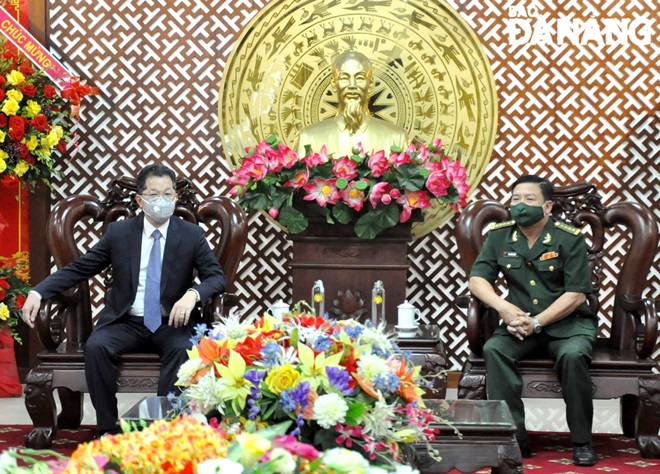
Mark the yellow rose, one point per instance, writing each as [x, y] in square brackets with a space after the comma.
[33, 108]
[43, 152]
[2, 136]
[3, 165]
[282, 378]
[4, 155]
[15, 77]
[254, 447]
[15, 95]
[10, 107]
[4, 312]
[21, 168]
[52, 139]
[59, 131]
[32, 143]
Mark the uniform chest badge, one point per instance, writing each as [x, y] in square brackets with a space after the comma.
[549, 255]
[547, 239]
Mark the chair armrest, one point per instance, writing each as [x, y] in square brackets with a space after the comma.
[219, 306]
[475, 310]
[645, 311]
[52, 317]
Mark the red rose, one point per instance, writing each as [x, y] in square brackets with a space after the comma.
[3, 81]
[49, 92]
[2, 294]
[29, 90]
[8, 55]
[2, 94]
[62, 146]
[26, 69]
[3, 120]
[40, 122]
[17, 122]
[4, 284]
[24, 153]
[19, 301]
[17, 134]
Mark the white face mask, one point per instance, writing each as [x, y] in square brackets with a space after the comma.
[159, 209]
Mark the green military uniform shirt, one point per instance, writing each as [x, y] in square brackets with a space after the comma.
[556, 264]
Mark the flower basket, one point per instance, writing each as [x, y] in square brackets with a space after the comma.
[341, 383]
[369, 192]
[34, 121]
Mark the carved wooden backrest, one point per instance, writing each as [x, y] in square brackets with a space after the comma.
[580, 205]
[71, 318]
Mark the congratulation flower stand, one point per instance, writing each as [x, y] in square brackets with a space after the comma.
[349, 267]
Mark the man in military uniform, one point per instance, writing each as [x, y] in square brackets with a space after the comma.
[545, 314]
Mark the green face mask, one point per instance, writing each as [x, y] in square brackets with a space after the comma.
[526, 215]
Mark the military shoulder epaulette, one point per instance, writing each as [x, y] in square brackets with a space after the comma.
[501, 225]
[567, 228]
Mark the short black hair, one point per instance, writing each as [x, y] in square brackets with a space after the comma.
[547, 189]
[157, 170]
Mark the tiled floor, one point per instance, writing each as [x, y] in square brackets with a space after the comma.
[542, 414]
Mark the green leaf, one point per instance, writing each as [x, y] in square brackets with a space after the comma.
[372, 223]
[293, 220]
[396, 149]
[355, 411]
[342, 213]
[409, 177]
[341, 183]
[361, 185]
[272, 140]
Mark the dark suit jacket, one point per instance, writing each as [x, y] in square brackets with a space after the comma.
[186, 249]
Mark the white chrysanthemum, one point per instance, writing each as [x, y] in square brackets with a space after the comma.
[231, 327]
[207, 393]
[377, 421]
[371, 365]
[344, 461]
[330, 409]
[187, 370]
[377, 337]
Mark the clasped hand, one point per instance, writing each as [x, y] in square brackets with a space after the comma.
[518, 322]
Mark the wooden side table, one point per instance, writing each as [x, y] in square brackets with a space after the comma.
[428, 351]
[474, 434]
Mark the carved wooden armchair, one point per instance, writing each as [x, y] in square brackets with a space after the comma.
[65, 323]
[622, 366]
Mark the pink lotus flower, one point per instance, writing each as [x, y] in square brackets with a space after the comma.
[287, 157]
[272, 212]
[316, 159]
[378, 163]
[345, 168]
[352, 196]
[413, 200]
[324, 191]
[255, 167]
[437, 183]
[300, 179]
[377, 192]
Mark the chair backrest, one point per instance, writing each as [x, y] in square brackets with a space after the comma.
[71, 319]
[580, 206]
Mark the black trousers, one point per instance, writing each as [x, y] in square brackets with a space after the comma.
[129, 334]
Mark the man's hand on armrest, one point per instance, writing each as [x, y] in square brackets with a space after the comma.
[31, 308]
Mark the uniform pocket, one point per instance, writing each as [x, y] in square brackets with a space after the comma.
[551, 265]
[509, 263]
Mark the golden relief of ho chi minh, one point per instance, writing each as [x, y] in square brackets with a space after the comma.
[431, 79]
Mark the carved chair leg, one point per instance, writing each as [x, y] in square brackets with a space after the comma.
[41, 407]
[71, 415]
[471, 386]
[629, 408]
[648, 417]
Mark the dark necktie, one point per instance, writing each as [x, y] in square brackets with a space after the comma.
[152, 316]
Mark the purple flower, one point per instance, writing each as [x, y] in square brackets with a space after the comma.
[270, 354]
[388, 383]
[339, 378]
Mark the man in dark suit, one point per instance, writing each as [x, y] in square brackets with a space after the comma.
[545, 313]
[153, 304]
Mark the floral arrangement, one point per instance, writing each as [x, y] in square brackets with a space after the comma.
[14, 288]
[342, 383]
[375, 191]
[33, 121]
[187, 445]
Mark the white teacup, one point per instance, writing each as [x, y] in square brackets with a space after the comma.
[408, 315]
[279, 309]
